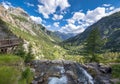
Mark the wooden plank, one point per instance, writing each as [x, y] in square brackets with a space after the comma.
[9, 43]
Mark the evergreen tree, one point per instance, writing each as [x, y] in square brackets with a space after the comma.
[29, 55]
[20, 51]
[93, 44]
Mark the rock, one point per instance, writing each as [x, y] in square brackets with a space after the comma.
[40, 81]
[57, 61]
[35, 66]
[115, 81]
[33, 70]
[105, 69]
[68, 62]
[34, 82]
[35, 77]
[70, 73]
[106, 82]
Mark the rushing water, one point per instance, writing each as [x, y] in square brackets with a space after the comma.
[55, 80]
[61, 80]
[84, 76]
[62, 73]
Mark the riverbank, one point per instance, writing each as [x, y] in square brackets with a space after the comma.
[69, 72]
[64, 72]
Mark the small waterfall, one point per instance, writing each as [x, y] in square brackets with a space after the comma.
[61, 73]
[84, 77]
[61, 80]
[55, 80]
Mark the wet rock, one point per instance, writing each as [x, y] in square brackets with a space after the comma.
[105, 70]
[106, 82]
[34, 82]
[57, 62]
[66, 72]
[115, 81]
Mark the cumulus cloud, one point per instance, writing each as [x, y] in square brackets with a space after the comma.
[49, 6]
[113, 11]
[29, 4]
[48, 26]
[112, 8]
[56, 24]
[76, 17]
[80, 20]
[57, 17]
[71, 28]
[106, 5]
[94, 15]
[83, 20]
[38, 20]
[7, 4]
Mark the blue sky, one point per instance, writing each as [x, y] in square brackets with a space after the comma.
[69, 16]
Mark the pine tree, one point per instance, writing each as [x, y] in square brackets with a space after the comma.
[20, 51]
[93, 44]
[29, 55]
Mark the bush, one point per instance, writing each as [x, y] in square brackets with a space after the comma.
[20, 51]
[27, 75]
[29, 56]
[115, 71]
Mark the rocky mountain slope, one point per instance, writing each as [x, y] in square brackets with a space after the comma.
[109, 28]
[63, 36]
[15, 22]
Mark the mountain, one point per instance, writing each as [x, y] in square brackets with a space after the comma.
[16, 23]
[109, 28]
[63, 36]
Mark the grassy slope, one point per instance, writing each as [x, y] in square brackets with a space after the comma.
[43, 44]
[10, 69]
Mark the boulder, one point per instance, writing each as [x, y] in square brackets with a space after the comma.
[106, 70]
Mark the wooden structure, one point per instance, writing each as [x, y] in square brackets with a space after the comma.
[5, 44]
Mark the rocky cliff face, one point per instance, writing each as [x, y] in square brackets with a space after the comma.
[17, 17]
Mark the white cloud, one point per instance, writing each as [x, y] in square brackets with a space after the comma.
[76, 17]
[29, 4]
[94, 15]
[71, 28]
[48, 26]
[112, 8]
[56, 24]
[83, 20]
[80, 20]
[38, 20]
[106, 5]
[113, 11]
[49, 6]
[57, 17]
[6, 4]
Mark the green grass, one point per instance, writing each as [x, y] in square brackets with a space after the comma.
[40, 42]
[10, 68]
[9, 75]
[13, 70]
[7, 59]
[116, 71]
[19, 18]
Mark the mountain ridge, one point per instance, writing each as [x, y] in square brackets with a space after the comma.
[107, 26]
[19, 23]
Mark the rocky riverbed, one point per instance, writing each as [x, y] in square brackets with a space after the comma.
[68, 72]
